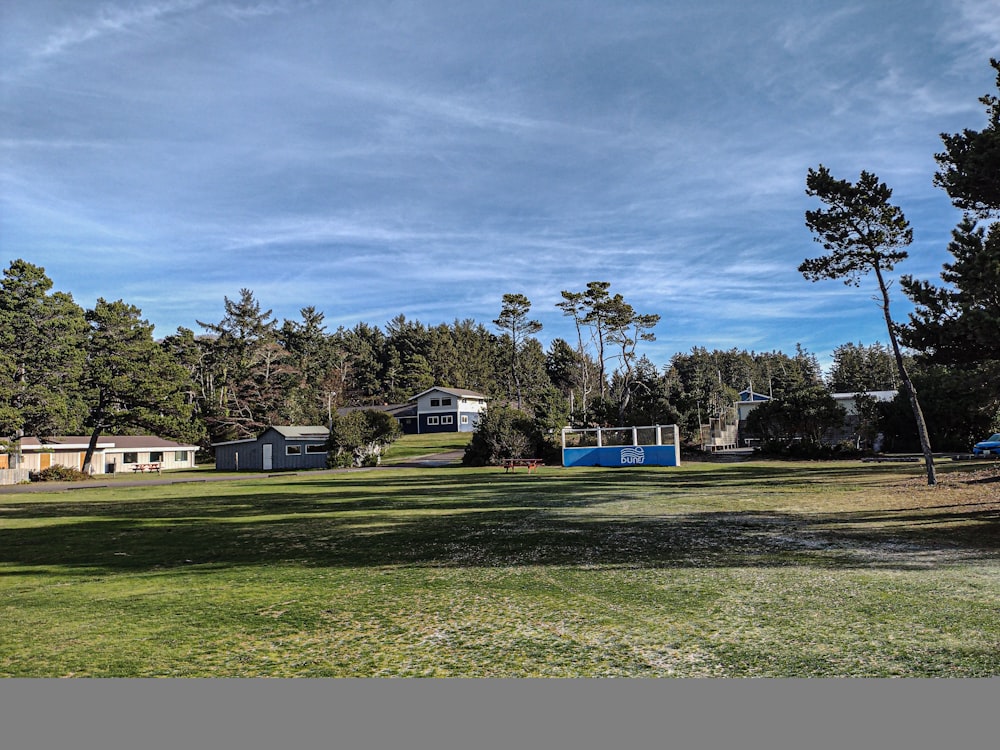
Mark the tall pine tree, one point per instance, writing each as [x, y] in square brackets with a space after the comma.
[131, 381]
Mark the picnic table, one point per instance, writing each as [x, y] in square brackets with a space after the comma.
[146, 467]
[510, 464]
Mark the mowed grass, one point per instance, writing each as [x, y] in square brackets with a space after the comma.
[720, 570]
[414, 446]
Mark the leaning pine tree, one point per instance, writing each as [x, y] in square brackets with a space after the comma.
[863, 233]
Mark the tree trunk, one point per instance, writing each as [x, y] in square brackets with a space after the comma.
[918, 414]
[88, 459]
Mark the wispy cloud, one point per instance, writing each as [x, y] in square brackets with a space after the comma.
[373, 159]
[979, 25]
[109, 20]
[256, 10]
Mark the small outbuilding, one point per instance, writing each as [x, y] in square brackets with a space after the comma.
[276, 448]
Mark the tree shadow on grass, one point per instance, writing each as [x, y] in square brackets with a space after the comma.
[490, 522]
[406, 490]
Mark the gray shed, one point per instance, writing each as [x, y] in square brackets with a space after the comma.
[277, 448]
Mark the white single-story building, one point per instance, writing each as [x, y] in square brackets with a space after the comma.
[114, 453]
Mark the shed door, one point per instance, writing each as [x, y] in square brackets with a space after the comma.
[268, 453]
[45, 460]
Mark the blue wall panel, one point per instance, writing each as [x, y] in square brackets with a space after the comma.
[623, 455]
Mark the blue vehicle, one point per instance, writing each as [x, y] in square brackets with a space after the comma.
[989, 446]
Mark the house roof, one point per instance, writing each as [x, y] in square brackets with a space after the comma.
[877, 395]
[459, 392]
[399, 411]
[747, 395]
[106, 442]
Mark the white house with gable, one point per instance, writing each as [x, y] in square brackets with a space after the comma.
[448, 409]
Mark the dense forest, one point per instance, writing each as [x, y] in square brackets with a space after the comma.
[67, 370]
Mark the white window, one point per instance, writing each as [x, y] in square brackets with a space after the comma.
[447, 419]
[293, 450]
[465, 419]
[433, 420]
[316, 449]
[180, 455]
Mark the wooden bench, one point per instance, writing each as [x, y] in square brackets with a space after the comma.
[510, 464]
[146, 467]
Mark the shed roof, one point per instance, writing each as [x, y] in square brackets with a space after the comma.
[302, 432]
[289, 432]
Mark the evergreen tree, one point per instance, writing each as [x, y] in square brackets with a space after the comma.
[959, 323]
[863, 233]
[517, 328]
[970, 163]
[313, 358]
[955, 327]
[130, 381]
[365, 346]
[625, 329]
[42, 335]
[250, 371]
[857, 367]
[574, 305]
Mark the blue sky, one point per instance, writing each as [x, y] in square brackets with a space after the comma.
[424, 158]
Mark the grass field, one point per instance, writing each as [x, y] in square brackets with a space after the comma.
[735, 570]
[412, 446]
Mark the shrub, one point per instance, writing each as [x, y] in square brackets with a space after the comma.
[58, 474]
[501, 433]
[359, 437]
[809, 450]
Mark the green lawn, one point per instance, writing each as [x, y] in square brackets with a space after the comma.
[736, 570]
[413, 446]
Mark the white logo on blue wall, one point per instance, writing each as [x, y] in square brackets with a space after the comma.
[633, 455]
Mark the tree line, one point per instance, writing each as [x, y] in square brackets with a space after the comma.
[66, 370]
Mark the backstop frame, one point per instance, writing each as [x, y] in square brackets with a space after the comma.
[650, 445]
